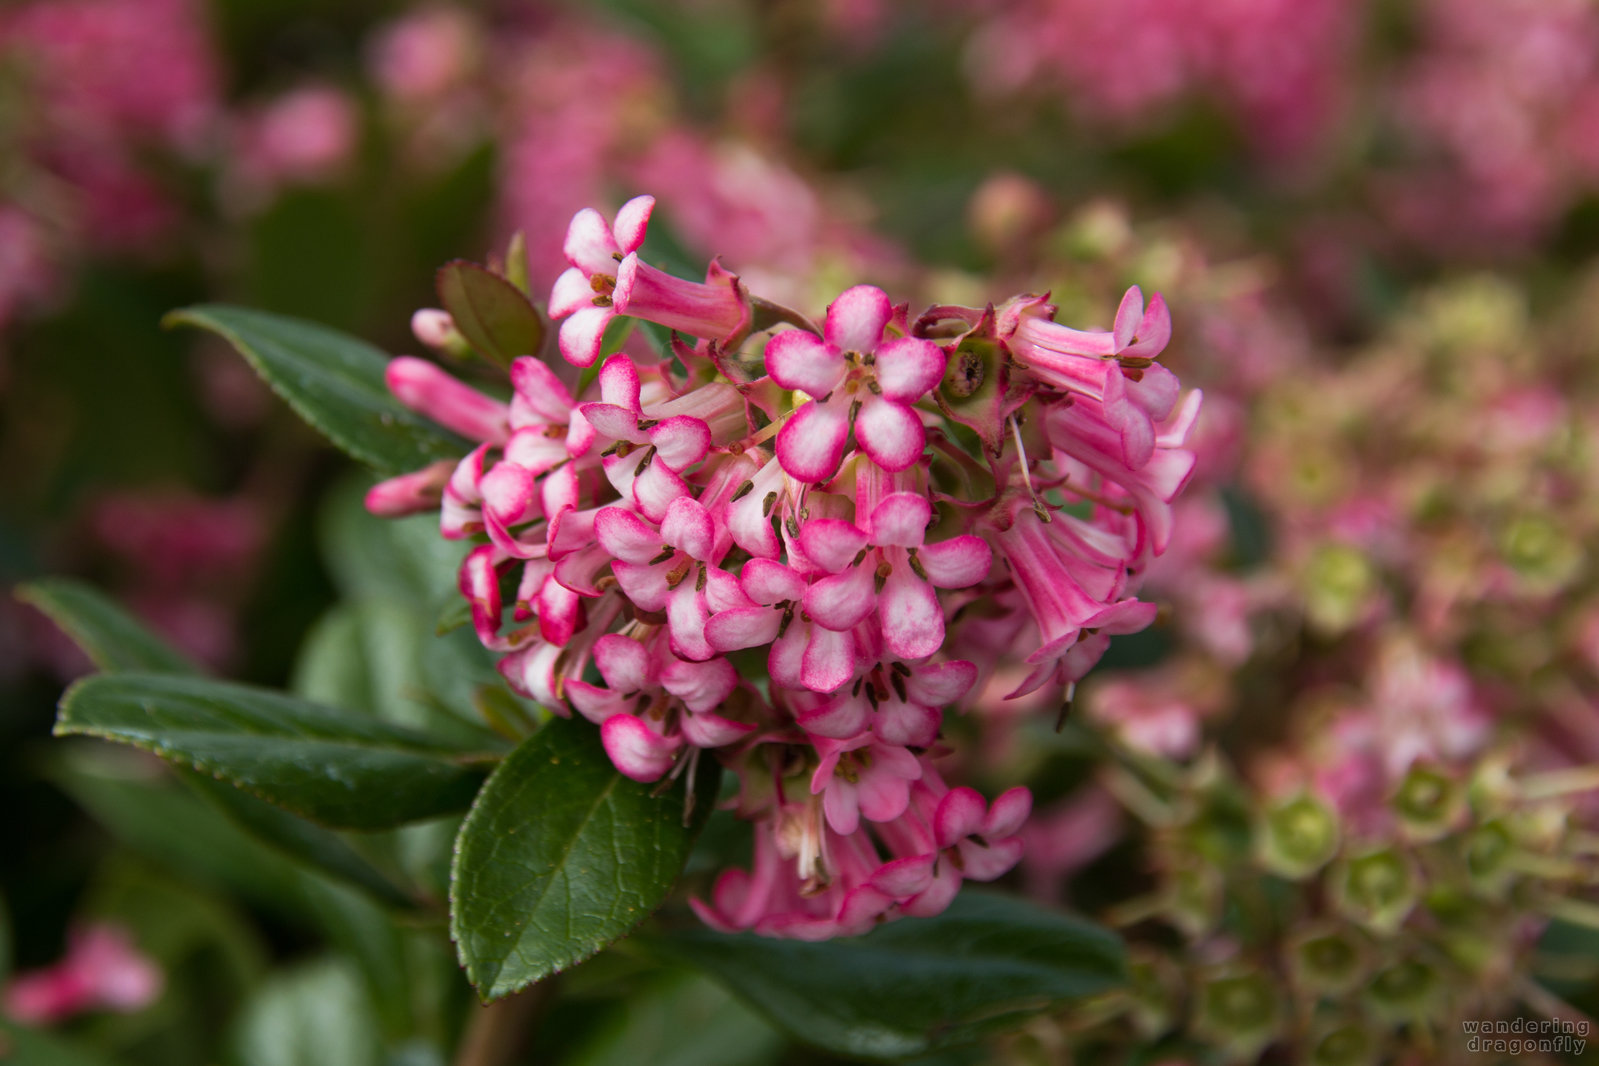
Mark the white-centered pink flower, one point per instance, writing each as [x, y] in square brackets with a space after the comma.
[583, 294]
[856, 377]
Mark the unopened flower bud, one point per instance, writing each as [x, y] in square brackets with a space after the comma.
[436, 329]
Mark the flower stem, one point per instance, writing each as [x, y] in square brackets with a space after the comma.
[497, 1033]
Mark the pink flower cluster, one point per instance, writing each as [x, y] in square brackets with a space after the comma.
[1279, 65]
[800, 559]
[1500, 105]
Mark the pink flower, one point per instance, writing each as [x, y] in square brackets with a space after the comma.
[1114, 369]
[863, 777]
[854, 378]
[102, 970]
[717, 310]
[583, 294]
[891, 571]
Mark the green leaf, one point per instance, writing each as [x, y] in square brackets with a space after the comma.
[684, 1020]
[333, 381]
[490, 312]
[20, 1046]
[112, 638]
[561, 855]
[303, 841]
[345, 770]
[314, 1015]
[984, 966]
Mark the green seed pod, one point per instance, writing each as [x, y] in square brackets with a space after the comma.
[1297, 838]
[1343, 1044]
[1377, 890]
[1238, 1009]
[1408, 989]
[1156, 987]
[1328, 959]
[1488, 850]
[1338, 583]
[1194, 900]
[1429, 804]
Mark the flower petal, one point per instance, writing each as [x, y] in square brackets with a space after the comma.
[831, 543]
[841, 601]
[958, 562]
[889, 432]
[1010, 809]
[626, 536]
[901, 520]
[907, 367]
[829, 660]
[571, 292]
[589, 243]
[811, 444]
[913, 621]
[1154, 331]
[624, 663]
[582, 334]
[855, 321]
[941, 684]
[688, 528]
[631, 222]
[958, 815]
[742, 627]
[644, 585]
[1128, 317]
[767, 582]
[843, 717]
[800, 360]
[987, 864]
[619, 383]
[701, 686]
[680, 441]
[636, 750]
[840, 806]
[908, 724]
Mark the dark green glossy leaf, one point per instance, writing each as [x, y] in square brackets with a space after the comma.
[300, 840]
[346, 770]
[984, 966]
[561, 855]
[333, 381]
[490, 312]
[111, 637]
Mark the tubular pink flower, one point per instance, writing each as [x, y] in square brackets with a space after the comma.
[717, 309]
[1115, 368]
[854, 378]
[1070, 588]
[583, 294]
[429, 391]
